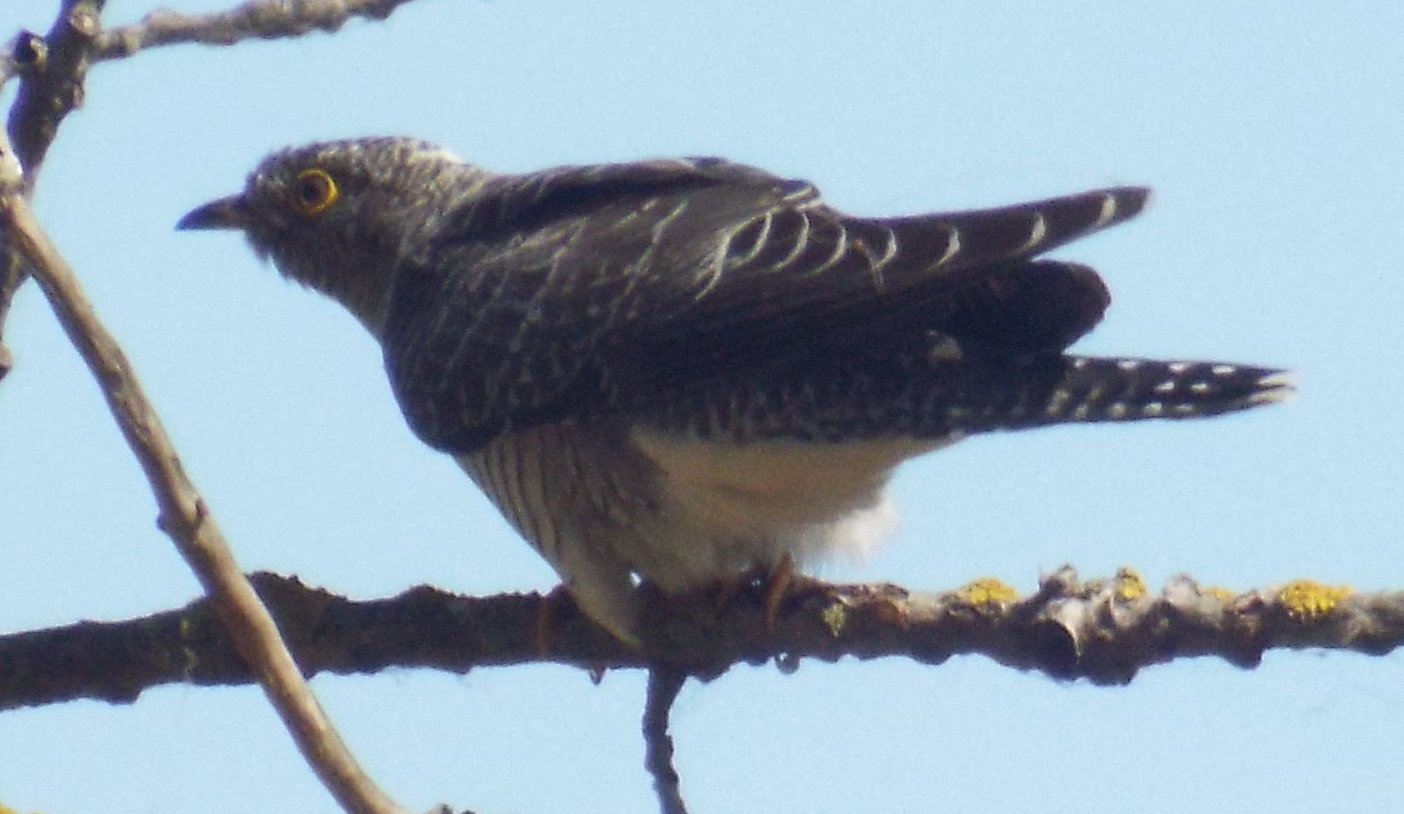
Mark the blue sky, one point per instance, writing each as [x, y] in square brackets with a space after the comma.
[1272, 135]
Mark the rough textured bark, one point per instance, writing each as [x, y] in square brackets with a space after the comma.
[1103, 631]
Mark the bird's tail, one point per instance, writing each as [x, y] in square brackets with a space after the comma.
[939, 397]
[1096, 389]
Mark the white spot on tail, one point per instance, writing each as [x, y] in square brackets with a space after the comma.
[1275, 387]
[1107, 212]
[1036, 234]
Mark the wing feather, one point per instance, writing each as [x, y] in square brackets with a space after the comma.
[585, 290]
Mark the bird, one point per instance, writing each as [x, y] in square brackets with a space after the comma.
[677, 371]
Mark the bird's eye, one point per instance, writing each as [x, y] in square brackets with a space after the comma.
[314, 191]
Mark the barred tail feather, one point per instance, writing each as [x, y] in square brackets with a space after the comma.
[1094, 389]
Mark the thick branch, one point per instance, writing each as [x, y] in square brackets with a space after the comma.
[52, 81]
[53, 69]
[1102, 630]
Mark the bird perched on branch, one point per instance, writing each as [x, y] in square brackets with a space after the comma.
[679, 370]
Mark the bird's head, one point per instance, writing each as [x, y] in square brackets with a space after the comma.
[339, 216]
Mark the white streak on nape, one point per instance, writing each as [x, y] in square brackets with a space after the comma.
[801, 241]
[440, 154]
[1037, 233]
[1106, 213]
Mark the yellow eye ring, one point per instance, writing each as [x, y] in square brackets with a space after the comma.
[314, 191]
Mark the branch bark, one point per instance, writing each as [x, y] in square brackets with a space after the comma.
[1104, 631]
[262, 19]
[664, 684]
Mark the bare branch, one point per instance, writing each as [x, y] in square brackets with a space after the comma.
[1102, 630]
[53, 69]
[259, 19]
[184, 517]
[664, 684]
[51, 84]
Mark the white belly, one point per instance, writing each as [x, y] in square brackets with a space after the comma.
[810, 500]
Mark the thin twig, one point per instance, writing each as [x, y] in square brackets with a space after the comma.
[664, 684]
[53, 68]
[184, 517]
[259, 19]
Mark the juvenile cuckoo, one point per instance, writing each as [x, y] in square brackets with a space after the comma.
[679, 370]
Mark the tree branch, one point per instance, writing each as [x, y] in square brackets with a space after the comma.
[52, 70]
[1103, 631]
[183, 515]
[259, 19]
[664, 684]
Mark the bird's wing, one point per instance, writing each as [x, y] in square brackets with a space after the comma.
[585, 289]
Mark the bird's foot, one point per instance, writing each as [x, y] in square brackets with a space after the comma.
[778, 584]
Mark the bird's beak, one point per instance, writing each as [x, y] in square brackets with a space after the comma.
[225, 213]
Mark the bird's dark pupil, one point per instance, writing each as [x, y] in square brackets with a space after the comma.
[313, 189]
